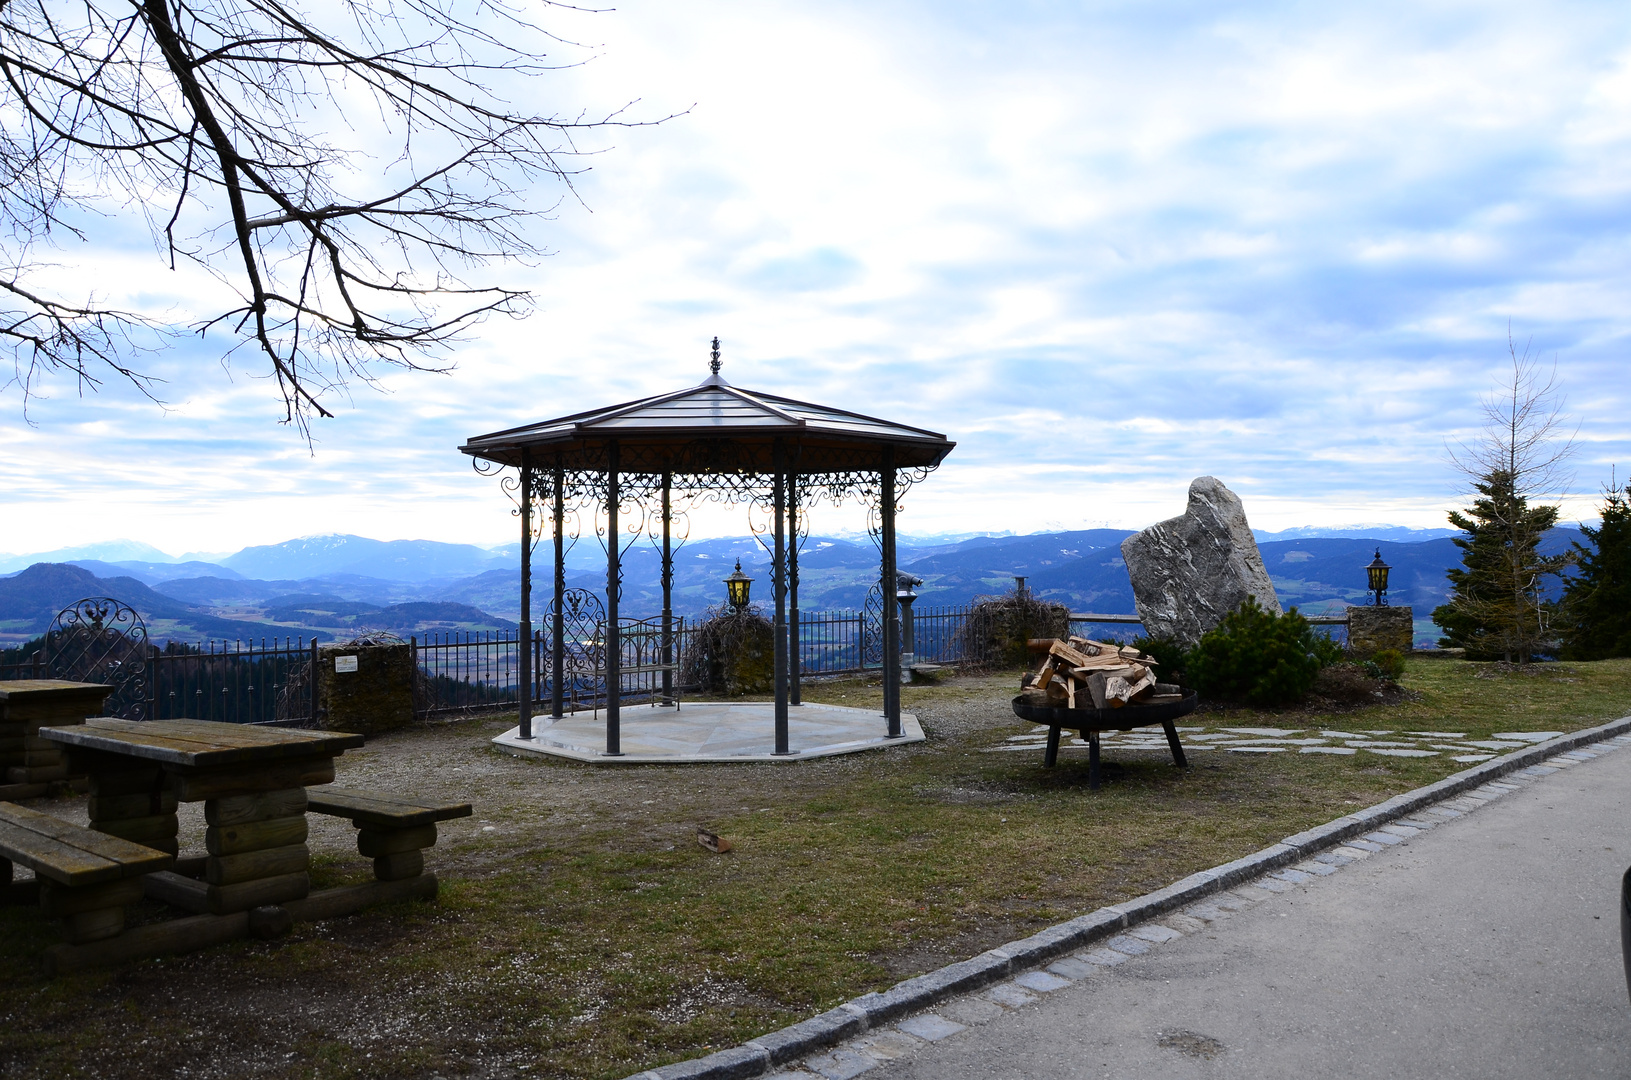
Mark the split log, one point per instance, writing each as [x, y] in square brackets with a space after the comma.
[225, 899]
[376, 843]
[140, 830]
[216, 784]
[129, 782]
[59, 901]
[262, 806]
[399, 866]
[142, 804]
[255, 835]
[252, 865]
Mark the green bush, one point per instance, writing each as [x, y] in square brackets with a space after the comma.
[1330, 651]
[1170, 656]
[1387, 664]
[1257, 657]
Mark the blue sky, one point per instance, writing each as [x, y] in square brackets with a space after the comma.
[1107, 248]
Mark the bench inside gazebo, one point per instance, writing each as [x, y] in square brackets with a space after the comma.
[718, 442]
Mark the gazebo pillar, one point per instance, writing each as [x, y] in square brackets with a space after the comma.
[891, 610]
[614, 587]
[793, 589]
[524, 675]
[557, 629]
[668, 591]
[778, 577]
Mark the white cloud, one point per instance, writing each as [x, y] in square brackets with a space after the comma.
[1279, 244]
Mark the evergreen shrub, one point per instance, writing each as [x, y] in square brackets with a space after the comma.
[1387, 664]
[1170, 656]
[1257, 657]
[1596, 623]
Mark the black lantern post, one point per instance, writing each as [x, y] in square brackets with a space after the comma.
[737, 587]
[1377, 573]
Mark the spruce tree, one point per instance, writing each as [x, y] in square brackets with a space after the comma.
[1597, 600]
[1497, 610]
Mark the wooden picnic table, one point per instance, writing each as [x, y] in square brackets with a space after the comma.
[252, 781]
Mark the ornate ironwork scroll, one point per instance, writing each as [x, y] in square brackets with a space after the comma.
[101, 640]
[583, 643]
[872, 627]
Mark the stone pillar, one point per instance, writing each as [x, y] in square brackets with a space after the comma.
[367, 689]
[1373, 629]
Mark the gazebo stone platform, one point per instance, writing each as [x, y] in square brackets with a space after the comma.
[710, 731]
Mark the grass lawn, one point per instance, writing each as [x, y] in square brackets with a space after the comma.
[582, 932]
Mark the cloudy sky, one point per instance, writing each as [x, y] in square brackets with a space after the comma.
[1105, 247]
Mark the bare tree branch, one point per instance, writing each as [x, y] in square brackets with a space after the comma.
[247, 132]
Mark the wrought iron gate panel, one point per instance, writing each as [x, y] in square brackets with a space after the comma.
[100, 640]
[583, 643]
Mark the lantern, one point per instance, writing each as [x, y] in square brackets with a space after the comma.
[737, 587]
[1377, 573]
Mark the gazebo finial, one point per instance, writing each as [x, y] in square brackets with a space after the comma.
[713, 360]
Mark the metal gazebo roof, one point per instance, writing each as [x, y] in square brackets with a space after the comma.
[656, 433]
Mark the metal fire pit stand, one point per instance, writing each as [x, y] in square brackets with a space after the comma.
[1089, 722]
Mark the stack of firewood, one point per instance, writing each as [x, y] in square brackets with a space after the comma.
[1085, 674]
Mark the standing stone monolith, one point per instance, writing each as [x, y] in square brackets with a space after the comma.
[1190, 571]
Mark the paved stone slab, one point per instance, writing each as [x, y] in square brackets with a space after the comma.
[887, 1044]
[1129, 945]
[1009, 995]
[1072, 967]
[970, 1010]
[1154, 933]
[1042, 981]
[842, 1064]
[929, 1027]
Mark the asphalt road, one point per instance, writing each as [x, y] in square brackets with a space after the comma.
[1487, 947]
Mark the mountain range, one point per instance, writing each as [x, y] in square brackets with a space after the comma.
[337, 586]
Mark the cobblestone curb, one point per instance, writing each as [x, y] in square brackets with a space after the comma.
[760, 1056]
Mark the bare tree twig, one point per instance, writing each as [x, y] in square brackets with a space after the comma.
[256, 124]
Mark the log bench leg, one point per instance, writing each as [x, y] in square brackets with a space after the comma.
[398, 854]
[90, 912]
[257, 850]
[1092, 761]
[138, 805]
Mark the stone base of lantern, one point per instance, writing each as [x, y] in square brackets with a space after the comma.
[1373, 629]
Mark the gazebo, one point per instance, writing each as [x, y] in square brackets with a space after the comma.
[713, 442]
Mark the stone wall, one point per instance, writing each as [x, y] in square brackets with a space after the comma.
[376, 697]
[1372, 629]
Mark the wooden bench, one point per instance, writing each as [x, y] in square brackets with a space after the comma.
[393, 832]
[86, 877]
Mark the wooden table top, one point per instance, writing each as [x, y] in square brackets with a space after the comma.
[21, 688]
[196, 744]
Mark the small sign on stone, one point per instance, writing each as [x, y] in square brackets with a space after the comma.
[344, 664]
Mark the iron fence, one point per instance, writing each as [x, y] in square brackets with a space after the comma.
[271, 681]
[241, 682]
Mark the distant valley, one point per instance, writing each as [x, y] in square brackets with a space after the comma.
[339, 586]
